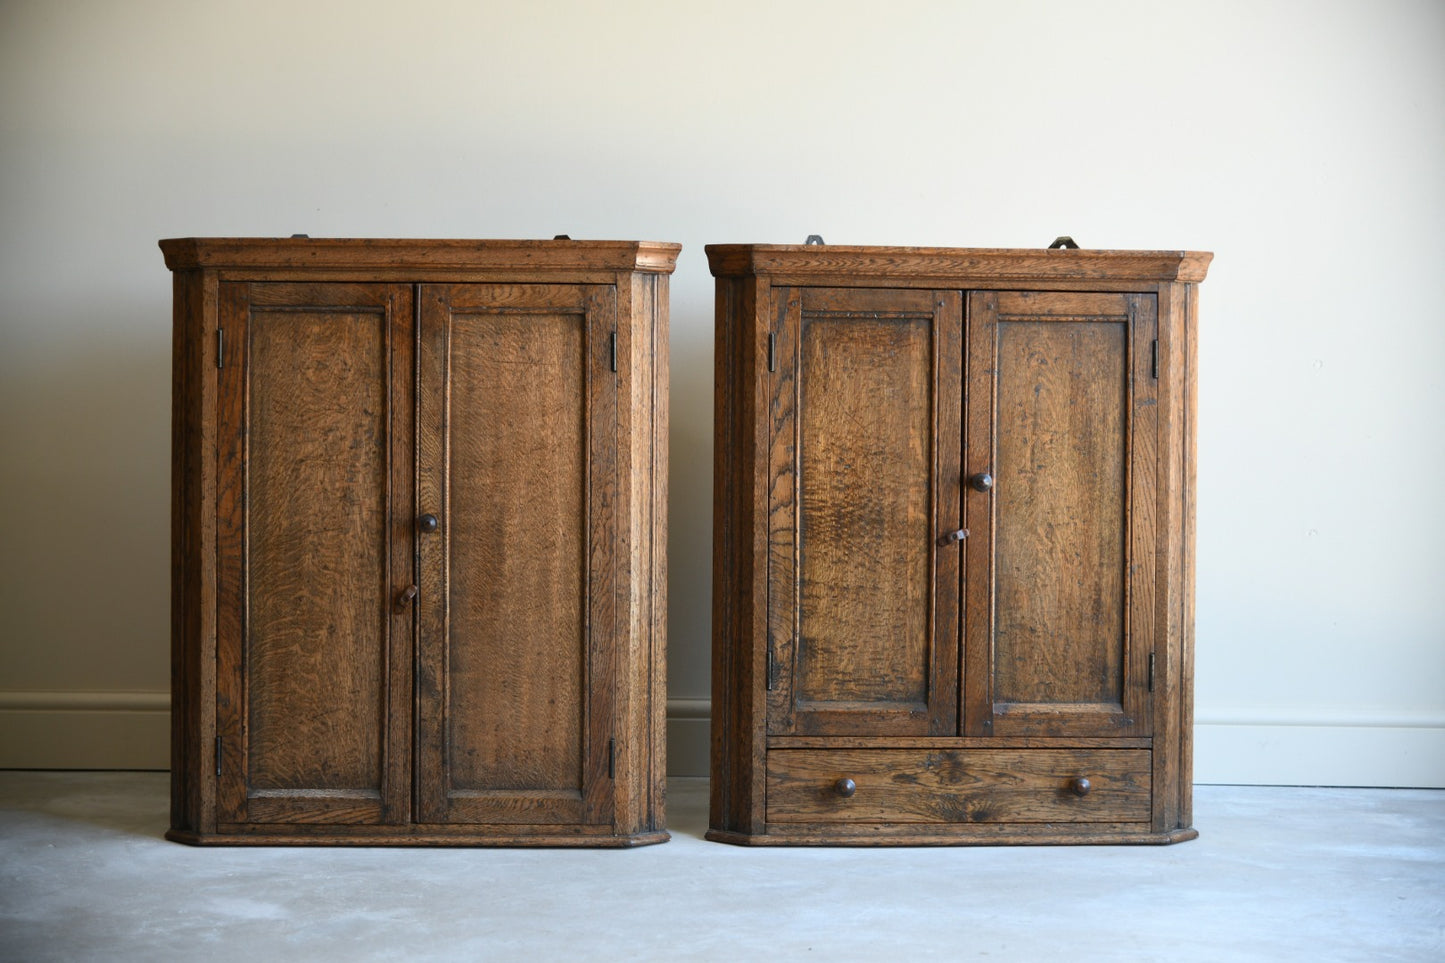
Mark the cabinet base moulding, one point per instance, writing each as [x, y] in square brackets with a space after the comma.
[552, 840]
[890, 835]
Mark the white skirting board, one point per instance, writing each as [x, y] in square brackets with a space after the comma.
[131, 730]
[85, 730]
[1340, 748]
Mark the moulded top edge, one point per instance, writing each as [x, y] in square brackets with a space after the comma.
[399, 254]
[805, 261]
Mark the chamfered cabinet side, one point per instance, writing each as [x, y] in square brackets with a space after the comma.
[418, 550]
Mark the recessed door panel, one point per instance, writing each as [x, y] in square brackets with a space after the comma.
[516, 500]
[1059, 560]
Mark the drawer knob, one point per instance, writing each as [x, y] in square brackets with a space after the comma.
[1080, 785]
[982, 482]
[428, 523]
[845, 787]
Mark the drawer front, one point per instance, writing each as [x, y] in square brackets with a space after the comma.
[958, 785]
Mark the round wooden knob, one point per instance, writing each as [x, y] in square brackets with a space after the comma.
[845, 787]
[1080, 785]
[981, 482]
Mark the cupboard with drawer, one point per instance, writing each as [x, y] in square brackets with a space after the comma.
[953, 545]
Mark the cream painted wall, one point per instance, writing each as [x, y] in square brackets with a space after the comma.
[1304, 143]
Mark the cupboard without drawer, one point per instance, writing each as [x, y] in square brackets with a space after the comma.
[419, 541]
[953, 545]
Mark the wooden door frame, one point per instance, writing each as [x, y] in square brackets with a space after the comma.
[436, 801]
[982, 715]
[788, 306]
[238, 808]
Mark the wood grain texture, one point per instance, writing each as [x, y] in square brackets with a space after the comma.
[958, 786]
[490, 835]
[1071, 566]
[861, 603]
[1174, 599]
[607, 574]
[782, 509]
[656, 500]
[417, 259]
[884, 741]
[516, 532]
[740, 554]
[642, 409]
[976, 700]
[1072, 423]
[1059, 503]
[953, 834]
[300, 469]
[192, 575]
[511, 444]
[866, 470]
[1185, 329]
[305, 555]
[1142, 564]
[316, 548]
[873, 266]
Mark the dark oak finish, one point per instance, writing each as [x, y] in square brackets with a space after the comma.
[1072, 402]
[954, 504]
[959, 786]
[419, 488]
[522, 457]
[863, 640]
[308, 650]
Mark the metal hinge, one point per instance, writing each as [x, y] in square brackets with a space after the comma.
[613, 351]
[1154, 358]
[218, 755]
[1151, 671]
[220, 347]
[772, 351]
[772, 669]
[611, 758]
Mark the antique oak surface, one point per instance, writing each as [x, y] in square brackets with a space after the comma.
[953, 583]
[419, 541]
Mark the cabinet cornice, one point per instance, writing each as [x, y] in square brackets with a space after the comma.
[956, 267]
[385, 257]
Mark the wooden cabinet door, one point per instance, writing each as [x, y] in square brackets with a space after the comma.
[1062, 417]
[518, 461]
[863, 581]
[313, 668]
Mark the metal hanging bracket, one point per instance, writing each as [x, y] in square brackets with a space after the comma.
[1063, 241]
[814, 239]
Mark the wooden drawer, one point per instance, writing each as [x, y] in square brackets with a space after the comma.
[959, 785]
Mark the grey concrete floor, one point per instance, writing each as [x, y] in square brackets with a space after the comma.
[1277, 874]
